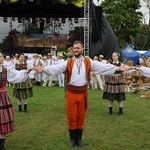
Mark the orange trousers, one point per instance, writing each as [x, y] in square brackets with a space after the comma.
[76, 105]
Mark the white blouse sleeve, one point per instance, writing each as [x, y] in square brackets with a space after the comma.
[145, 71]
[103, 69]
[56, 69]
[15, 76]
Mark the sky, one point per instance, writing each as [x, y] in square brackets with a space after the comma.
[5, 27]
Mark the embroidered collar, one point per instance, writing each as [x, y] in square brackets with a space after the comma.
[115, 62]
[78, 62]
[76, 59]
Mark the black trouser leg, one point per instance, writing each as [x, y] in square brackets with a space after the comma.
[73, 135]
[79, 137]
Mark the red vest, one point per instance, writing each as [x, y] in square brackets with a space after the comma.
[70, 64]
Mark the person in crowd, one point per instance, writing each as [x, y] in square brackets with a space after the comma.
[70, 52]
[77, 72]
[48, 78]
[8, 63]
[53, 50]
[60, 75]
[6, 107]
[15, 59]
[43, 75]
[98, 78]
[38, 76]
[30, 63]
[102, 77]
[114, 87]
[23, 90]
[141, 60]
[148, 62]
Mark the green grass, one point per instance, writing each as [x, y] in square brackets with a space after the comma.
[44, 127]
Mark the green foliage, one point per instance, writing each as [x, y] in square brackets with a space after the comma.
[142, 40]
[124, 18]
[45, 127]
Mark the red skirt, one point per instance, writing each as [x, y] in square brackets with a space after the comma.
[6, 113]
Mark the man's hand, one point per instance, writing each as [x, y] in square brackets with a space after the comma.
[38, 69]
[124, 68]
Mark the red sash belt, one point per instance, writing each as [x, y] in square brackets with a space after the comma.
[77, 89]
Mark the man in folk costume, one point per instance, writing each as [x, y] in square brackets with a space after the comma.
[77, 71]
[98, 78]
[38, 61]
[30, 63]
[101, 60]
[6, 108]
[49, 61]
[60, 75]
[54, 50]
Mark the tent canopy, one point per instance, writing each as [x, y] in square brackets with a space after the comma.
[147, 53]
[129, 54]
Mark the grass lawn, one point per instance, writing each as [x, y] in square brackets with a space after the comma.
[44, 127]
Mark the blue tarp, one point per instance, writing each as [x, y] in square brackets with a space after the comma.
[147, 53]
[129, 54]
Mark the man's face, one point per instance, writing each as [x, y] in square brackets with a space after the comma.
[77, 50]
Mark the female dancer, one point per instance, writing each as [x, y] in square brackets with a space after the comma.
[114, 86]
[22, 90]
[6, 108]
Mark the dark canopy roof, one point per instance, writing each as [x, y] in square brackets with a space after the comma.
[45, 9]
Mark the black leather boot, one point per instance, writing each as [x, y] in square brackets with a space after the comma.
[19, 108]
[79, 137]
[2, 141]
[73, 135]
[120, 111]
[25, 107]
[110, 110]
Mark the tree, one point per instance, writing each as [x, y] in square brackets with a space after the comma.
[142, 40]
[124, 19]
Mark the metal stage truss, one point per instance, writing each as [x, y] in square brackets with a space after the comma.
[86, 27]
